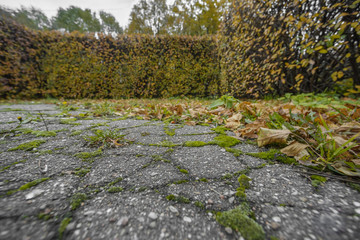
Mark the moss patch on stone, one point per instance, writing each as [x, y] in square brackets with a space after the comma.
[77, 199]
[63, 226]
[119, 179]
[81, 172]
[236, 152]
[44, 133]
[195, 144]
[28, 146]
[317, 180]
[69, 121]
[274, 154]
[219, 129]
[88, 156]
[75, 133]
[199, 205]
[27, 185]
[178, 199]
[244, 183]
[225, 141]
[165, 144]
[12, 164]
[239, 220]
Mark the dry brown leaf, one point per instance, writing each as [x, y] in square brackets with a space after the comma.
[353, 127]
[267, 136]
[232, 125]
[294, 149]
[190, 123]
[346, 170]
[235, 118]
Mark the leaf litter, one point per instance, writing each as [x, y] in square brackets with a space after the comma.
[316, 130]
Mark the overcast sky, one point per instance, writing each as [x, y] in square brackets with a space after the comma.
[119, 8]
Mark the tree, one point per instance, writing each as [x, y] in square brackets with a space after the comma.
[109, 23]
[149, 17]
[76, 19]
[31, 17]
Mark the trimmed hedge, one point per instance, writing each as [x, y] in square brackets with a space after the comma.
[278, 46]
[84, 66]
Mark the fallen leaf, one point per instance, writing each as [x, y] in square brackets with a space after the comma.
[294, 149]
[267, 136]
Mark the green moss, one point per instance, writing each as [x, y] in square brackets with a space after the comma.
[178, 199]
[227, 176]
[12, 164]
[69, 121]
[225, 141]
[165, 144]
[181, 181]
[82, 172]
[140, 155]
[184, 171]
[274, 154]
[317, 180]
[75, 133]
[238, 219]
[27, 186]
[88, 156]
[169, 131]
[355, 186]
[142, 189]
[195, 144]
[44, 133]
[203, 180]
[43, 216]
[77, 199]
[244, 183]
[63, 226]
[199, 204]
[274, 238]
[170, 150]
[219, 129]
[28, 146]
[236, 152]
[33, 183]
[115, 189]
[144, 134]
[119, 179]
[44, 152]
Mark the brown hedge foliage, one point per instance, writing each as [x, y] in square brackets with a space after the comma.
[19, 61]
[279, 46]
[84, 66]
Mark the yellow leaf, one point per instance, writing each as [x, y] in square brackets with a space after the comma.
[323, 51]
[358, 59]
[340, 74]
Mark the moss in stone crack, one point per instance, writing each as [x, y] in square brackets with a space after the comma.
[158, 158]
[88, 156]
[170, 150]
[199, 204]
[219, 129]
[178, 199]
[119, 179]
[12, 164]
[274, 238]
[77, 199]
[227, 176]
[236, 152]
[244, 182]
[274, 154]
[70, 121]
[195, 144]
[75, 133]
[203, 180]
[44, 133]
[355, 186]
[184, 171]
[169, 131]
[181, 181]
[28, 146]
[44, 216]
[165, 144]
[317, 180]
[27, 185]
[142, 189]
[82, 172]
[139, 155]
[225, 141]
[63, 226]
[238, 219]
[44, 152]
[115, 189]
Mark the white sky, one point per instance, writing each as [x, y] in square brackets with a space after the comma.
[119, 8]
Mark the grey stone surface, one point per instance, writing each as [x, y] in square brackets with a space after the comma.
[150, 190]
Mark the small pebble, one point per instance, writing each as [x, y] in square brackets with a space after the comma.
[187, 219]
[357, 210]
[276, 219]
[356, 204]
[231, 200]
[210, 201]
[274, 225]
[152, 224]
[228, 230]
[123, 221]
[153, 215]
[174, 210]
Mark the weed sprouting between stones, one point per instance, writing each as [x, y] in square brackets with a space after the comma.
[77, 199]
